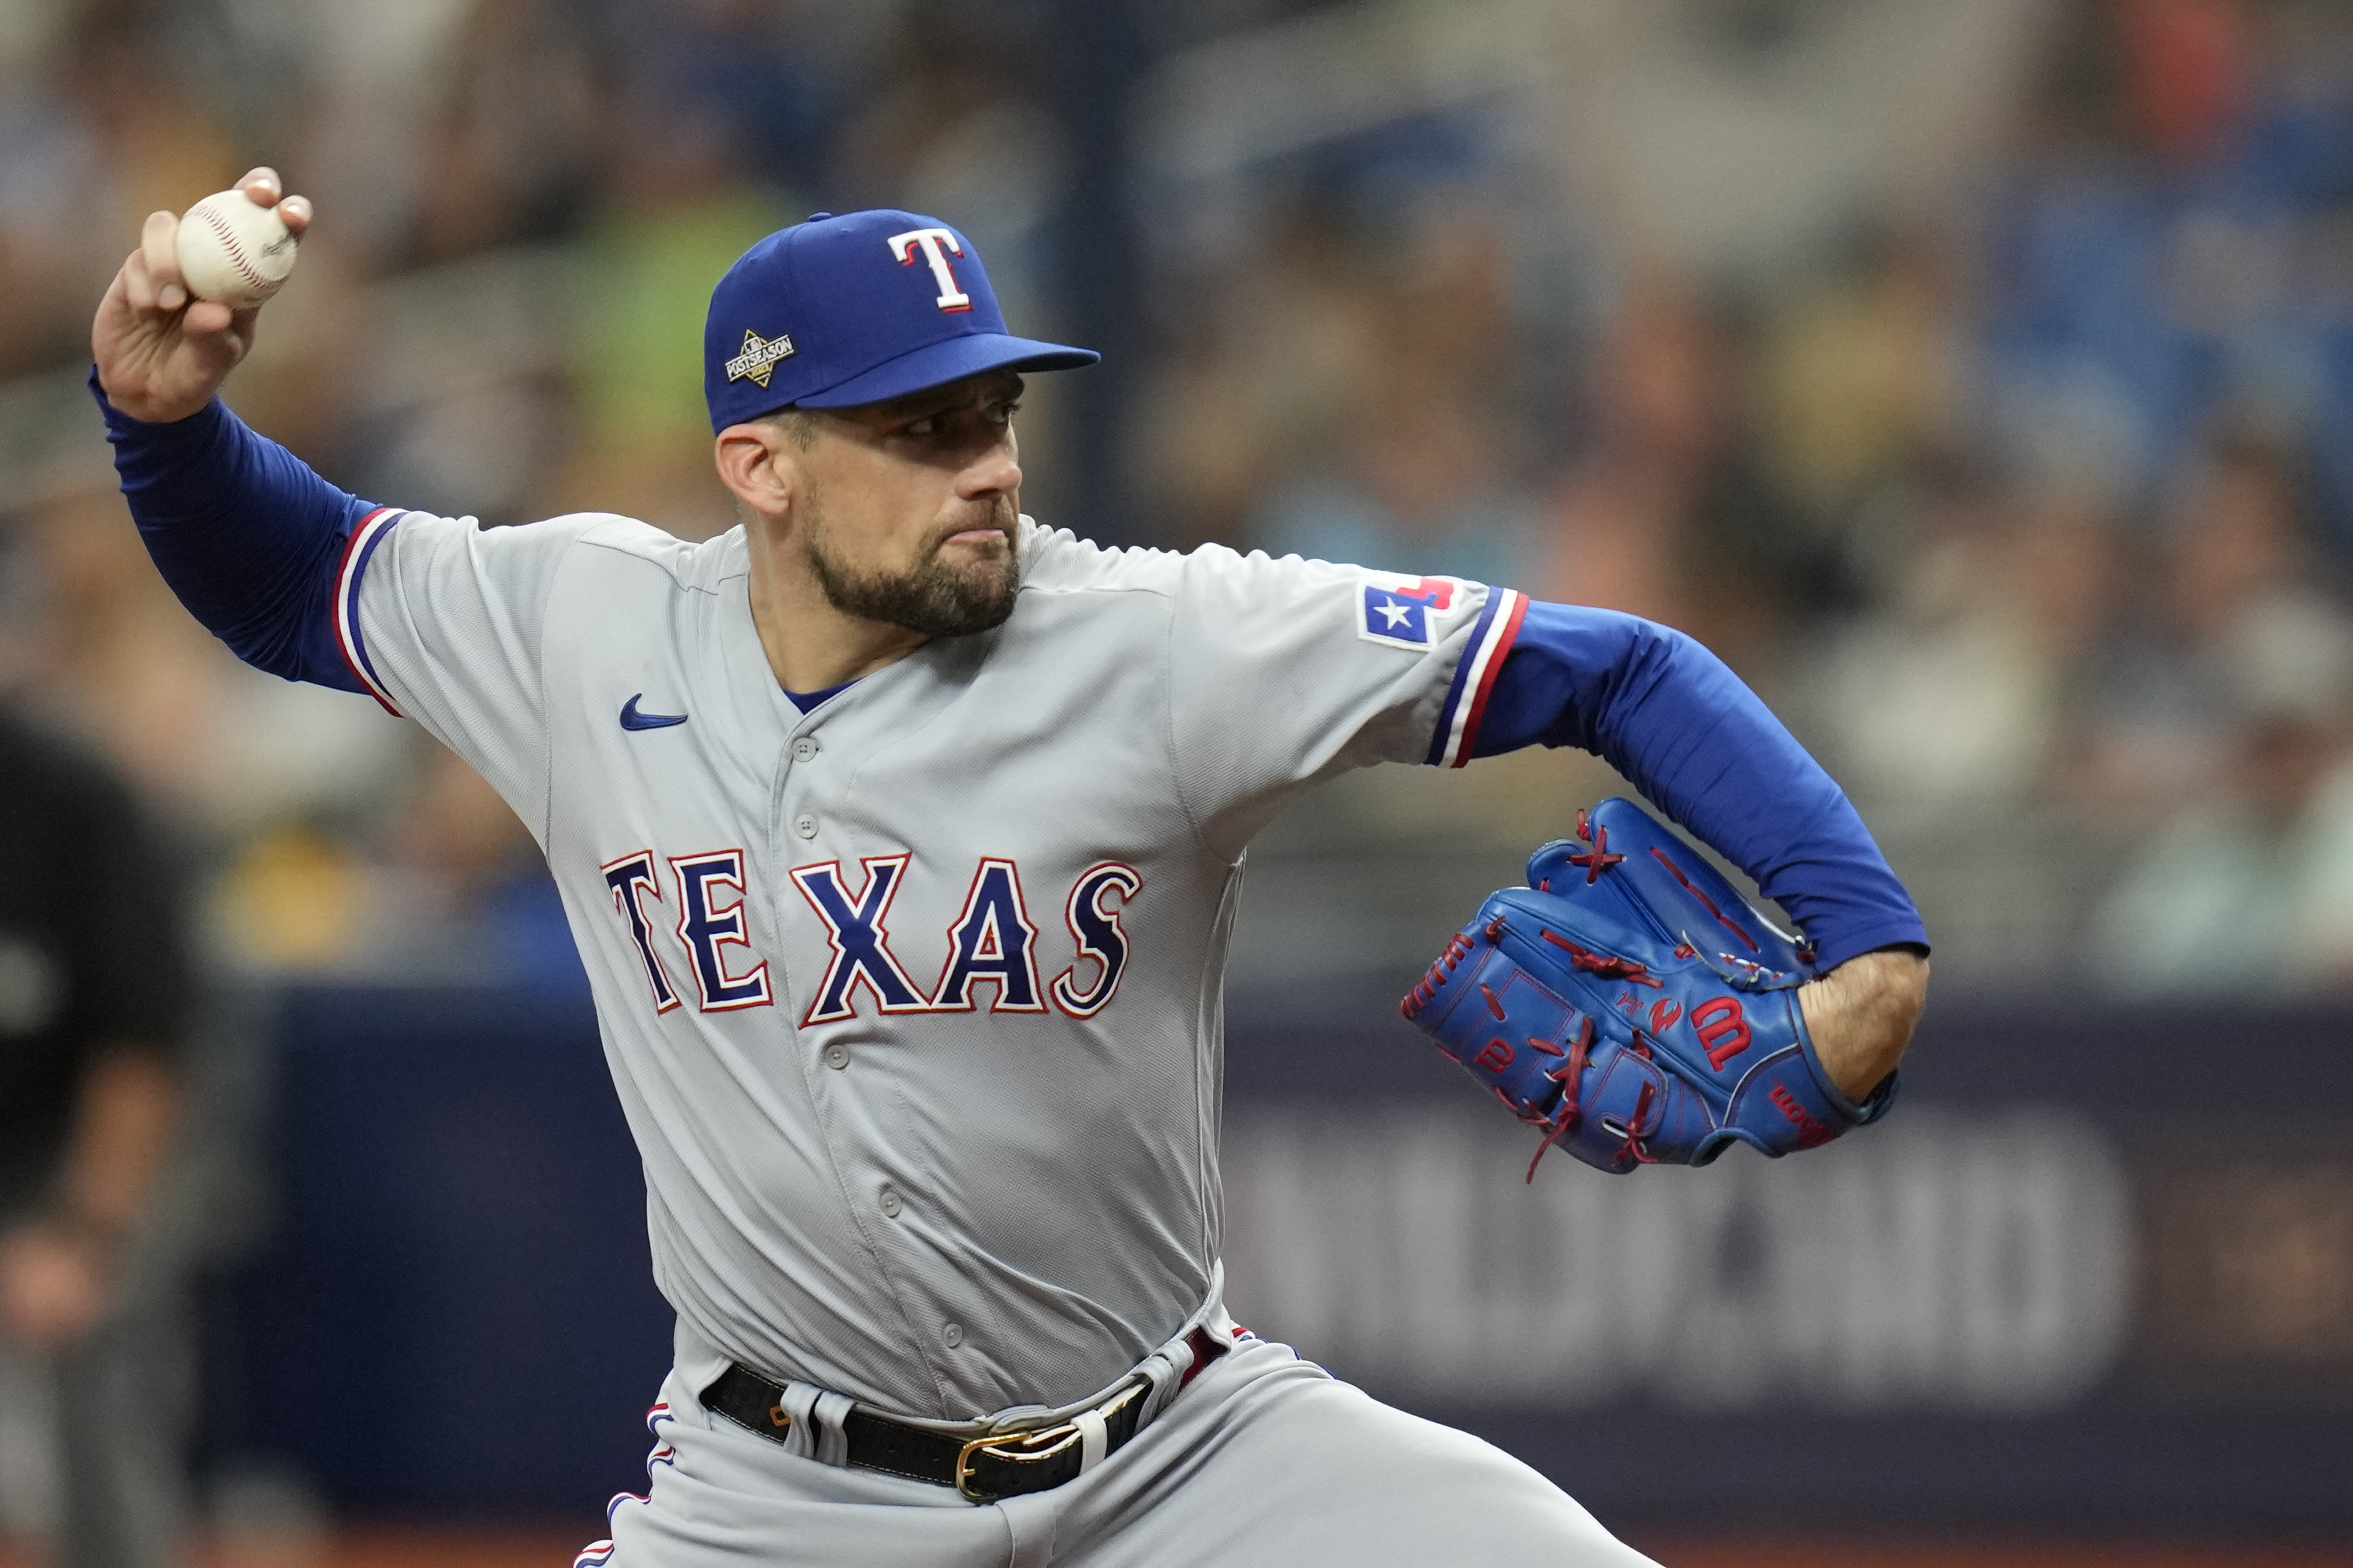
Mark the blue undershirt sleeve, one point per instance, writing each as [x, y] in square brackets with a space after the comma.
[1688, 734]
[244, 532]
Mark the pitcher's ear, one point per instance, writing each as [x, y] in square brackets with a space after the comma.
[756, 461]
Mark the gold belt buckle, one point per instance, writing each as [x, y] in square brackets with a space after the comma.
[1031, 1446]
[1024, 1447]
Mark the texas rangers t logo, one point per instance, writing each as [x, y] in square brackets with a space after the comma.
[937, 244]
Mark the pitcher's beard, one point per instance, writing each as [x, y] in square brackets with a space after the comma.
[933, 597]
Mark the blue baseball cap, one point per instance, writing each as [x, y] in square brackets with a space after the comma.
[837, 311]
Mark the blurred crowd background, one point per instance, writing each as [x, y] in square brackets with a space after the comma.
[1976, 378]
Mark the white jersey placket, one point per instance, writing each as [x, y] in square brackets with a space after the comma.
[841, 1089]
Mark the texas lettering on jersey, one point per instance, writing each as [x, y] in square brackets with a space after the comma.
[992, 940]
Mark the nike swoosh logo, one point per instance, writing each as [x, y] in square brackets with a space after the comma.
[633, 719]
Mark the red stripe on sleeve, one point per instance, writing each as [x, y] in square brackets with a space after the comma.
[348, 631]
[1504, 637]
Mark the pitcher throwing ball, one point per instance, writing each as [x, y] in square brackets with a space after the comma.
[901, 837]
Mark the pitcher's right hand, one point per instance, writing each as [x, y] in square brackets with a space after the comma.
[161, 355]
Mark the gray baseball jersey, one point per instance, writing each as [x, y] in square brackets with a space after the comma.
[913, 1000]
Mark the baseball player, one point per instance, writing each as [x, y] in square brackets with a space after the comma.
[901, 837]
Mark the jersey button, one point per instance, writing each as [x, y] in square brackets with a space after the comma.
[952, 1334]
[806, 825]
[805, 748]
[836, 1056]
[890, 1203]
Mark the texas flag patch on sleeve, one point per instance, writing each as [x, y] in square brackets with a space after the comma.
[1397, 610]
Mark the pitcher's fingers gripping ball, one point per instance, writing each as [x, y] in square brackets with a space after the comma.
[1633, 1006]
[234, 251]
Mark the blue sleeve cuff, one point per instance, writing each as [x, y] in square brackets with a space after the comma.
[254, 544]
[1463, 714]
[1689, 734]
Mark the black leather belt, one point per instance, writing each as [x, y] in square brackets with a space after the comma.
[1001, 1464]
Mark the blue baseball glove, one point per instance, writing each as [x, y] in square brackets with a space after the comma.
[1634, 1006]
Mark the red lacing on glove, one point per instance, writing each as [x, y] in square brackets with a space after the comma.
[1458, 947]
[1609, 966]
[1565, 1119]
[1726, 921]
[1756, 973]
[1631, 1150]
[1599, 859]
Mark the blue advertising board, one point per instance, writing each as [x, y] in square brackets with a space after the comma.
[2082, 1277]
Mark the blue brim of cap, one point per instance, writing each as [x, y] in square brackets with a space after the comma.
[937, 364]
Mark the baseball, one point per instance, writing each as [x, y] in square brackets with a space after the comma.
[234, 251]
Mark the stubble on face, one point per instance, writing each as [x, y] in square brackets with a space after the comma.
[933, 596]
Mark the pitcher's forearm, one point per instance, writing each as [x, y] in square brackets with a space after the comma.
[245, 533]
[1687, 733]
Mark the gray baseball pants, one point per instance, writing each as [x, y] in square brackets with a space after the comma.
[1265, 1459]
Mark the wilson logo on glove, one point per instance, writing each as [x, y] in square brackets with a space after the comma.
[1722, 1031]
[1535, 997]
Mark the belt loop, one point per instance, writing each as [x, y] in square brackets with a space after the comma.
[799, 1404]
[826, 1415]
[1165, 1367]
[816, 1431]
[1094, 1439]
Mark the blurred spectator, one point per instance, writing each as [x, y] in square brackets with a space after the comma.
[1951, 693]
[2251, 890]
[1858, 385]
[465, 892]
[681, 206]
[1282, 347]
[98, 128]
[2168, 254]
[955, 119]
[94, 997]
[454, 892]
[221, 750]
[1415, 468]
[1948, 486]
[341, 96]
[510, 154]
[1622, 527]
[770, 75]
[2240, 570]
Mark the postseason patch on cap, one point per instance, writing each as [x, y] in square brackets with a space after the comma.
[1397, 610]
[760, 357]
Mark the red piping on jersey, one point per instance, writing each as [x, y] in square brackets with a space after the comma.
[1503, 640]
[335, 609]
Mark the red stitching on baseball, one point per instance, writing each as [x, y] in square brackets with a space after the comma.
[236, 252]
